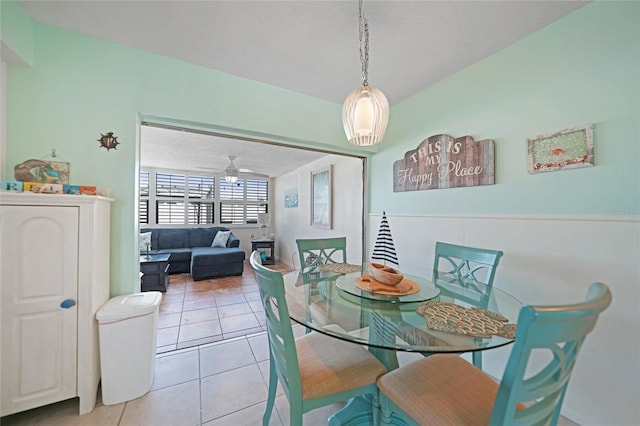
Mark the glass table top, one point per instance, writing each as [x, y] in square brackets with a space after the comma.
[332, 304]
[348, 284]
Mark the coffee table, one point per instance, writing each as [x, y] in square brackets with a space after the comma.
[154, 268]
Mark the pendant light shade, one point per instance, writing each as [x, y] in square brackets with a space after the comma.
[365, 112]
[365, 115]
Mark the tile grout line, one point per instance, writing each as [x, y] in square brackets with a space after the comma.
[200, 387]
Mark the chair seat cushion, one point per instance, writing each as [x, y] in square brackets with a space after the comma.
[441, 389]
[329, 365]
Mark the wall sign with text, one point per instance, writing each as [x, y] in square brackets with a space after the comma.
[442, 161]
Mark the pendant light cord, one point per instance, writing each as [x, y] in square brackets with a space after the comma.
[364, 45]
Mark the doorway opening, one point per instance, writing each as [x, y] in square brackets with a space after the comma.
[183, 185]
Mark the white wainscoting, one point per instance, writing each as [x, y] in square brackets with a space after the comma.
[552, 260]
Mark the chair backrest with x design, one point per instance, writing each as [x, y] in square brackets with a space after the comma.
[559, 331]
[444, 389]
[469, 268]
[318, 251]
[467, 264]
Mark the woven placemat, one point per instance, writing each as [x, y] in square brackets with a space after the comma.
[340, 268]
[475, 322]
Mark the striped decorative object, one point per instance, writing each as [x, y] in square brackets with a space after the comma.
[384, 250]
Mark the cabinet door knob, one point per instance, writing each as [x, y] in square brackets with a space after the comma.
[66, 304]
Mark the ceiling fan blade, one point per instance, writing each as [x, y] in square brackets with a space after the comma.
[252, 173]
[241, 171]
[210, 168]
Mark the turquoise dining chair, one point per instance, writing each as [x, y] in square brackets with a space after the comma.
[314, 252]
[317, 251]
[314, 370]
[468, 264]
[472, 268]
[446, 389]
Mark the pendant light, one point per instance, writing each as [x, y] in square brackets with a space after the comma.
[365, 112]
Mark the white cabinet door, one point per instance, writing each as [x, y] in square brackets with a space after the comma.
[39, 271]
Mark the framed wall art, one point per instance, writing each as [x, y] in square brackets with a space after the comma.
[291, 198]
[566, 149]
[321, 198]
[42, 171]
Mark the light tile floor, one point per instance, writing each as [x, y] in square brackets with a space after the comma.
[216, 384]
[198, 312]
[223, 383]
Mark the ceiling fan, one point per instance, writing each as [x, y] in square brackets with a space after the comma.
[231, 172]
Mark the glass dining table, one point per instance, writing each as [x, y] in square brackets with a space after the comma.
[341, 306]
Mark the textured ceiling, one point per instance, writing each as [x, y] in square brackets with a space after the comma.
[184, 150]
[311, 47]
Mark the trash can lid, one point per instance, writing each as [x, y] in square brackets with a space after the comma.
[129, 306]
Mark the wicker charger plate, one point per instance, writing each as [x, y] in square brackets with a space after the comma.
[364, 285]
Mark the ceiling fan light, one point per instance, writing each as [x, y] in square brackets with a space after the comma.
[231, 174]
[365, 115]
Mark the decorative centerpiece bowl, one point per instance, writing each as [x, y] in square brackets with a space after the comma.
[385, 274]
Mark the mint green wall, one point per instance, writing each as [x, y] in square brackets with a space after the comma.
[584, 68]
[80, 87]
[16, 32]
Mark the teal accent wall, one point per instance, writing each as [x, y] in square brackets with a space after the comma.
[81, 87]
[583, 68]
[16, 33]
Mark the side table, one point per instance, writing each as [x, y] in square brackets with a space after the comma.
[154, 270]
[265, 244]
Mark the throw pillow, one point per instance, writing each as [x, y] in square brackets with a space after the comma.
[220, 240]
[145, 241]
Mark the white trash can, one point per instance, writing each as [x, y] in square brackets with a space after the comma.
[127, 327]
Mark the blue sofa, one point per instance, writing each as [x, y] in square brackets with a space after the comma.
[191, 251]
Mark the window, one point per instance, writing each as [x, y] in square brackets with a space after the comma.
[143, 205]
[241, 202]
[168, 198]
[201, 194]
[257, 195]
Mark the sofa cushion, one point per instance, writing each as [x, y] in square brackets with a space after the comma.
[212, 262]
[172, 238]
[202, 237]
[178, 255]
[215, 255]
[233, 241]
